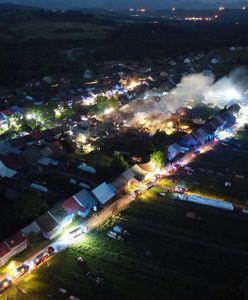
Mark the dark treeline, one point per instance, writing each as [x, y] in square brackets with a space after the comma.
[138, 41]
[20, 61]
[72, 16]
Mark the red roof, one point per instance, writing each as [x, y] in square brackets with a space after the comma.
[16, 239]
[13, 162]
[72, 206]
[36, 136]
[4, 249]
[7, 112]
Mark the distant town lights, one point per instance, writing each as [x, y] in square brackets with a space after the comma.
[221, 8]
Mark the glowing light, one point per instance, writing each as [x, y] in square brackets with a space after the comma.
[243, 7]
[221, 8]
[173, 9]
[108, 111]
[30, 116]
[224, 134]
[57, 113]
[132, 85]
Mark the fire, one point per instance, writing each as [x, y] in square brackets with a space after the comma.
[132, 85]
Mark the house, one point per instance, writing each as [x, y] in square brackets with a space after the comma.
[5, 147]
[13, 162]
[128, 175]
[47, 161]
[17, 242]
[73, 207]
[188, 141]
[229, 118]
[201, 135]
[21, 141]
[149, 168]
[3, 119]
[139, 173]
[49, 227]
[31, 228]
[234, 109]
[36, 136]
[86, 200]
[60, 215]
[104, 192]
[119, 184]
[5, 171]
[31, 154]
[174, 149]
[217, 123]
[5, 253]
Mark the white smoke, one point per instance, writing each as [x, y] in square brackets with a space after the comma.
[196, 88]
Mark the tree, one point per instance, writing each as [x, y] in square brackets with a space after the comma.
[30, 205]
[160, 140]
[157, 158]
[103, 102]
[119, 164]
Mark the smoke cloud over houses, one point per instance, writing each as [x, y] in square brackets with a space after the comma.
[192, 90]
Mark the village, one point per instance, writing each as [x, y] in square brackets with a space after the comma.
[65, 144]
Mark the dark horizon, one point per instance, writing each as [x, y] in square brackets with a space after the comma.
[126, 4]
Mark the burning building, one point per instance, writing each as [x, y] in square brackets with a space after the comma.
[223, 121]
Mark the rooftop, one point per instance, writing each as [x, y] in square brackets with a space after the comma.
[16, 239]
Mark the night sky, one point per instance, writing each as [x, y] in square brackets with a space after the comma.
[123, 4]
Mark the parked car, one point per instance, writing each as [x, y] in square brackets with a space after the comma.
[21, 270]
[115, 235]
[5, 284]
[179, 190]
[120, 230]
[149, 185]
[136, 193]
[156, 178]
[76, 232]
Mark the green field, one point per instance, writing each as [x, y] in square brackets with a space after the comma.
[213, 169]
[60, 30]
[53, 30]
[189, 259]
